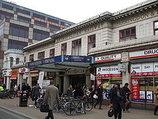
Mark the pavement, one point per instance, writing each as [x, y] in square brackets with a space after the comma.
[30, 112]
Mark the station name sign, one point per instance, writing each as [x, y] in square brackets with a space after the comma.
[108, 58]
[144, 53]
[40, 62]
[63, 58]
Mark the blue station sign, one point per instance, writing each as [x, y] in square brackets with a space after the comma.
[63, 58]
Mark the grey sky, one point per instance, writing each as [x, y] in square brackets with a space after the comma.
[76, 10]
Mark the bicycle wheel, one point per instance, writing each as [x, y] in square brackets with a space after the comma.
[69, 108]
[88, 106]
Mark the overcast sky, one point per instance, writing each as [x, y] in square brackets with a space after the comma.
[76, 10]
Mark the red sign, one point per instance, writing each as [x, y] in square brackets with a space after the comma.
[135, 88]
[108, 75]
[144, 74]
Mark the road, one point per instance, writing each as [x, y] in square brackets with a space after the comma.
[4, 114]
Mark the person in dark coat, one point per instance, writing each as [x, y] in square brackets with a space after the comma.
[23, 88]
[28, 89]
[99, 91]
[36, 93]
[127, 93]
[117, 99]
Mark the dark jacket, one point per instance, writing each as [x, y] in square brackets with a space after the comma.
[115, 99]
[126, 91]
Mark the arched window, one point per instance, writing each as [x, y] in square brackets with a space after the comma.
[11, 61]
[17, 60]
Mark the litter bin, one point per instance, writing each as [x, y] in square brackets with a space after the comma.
[23, 99]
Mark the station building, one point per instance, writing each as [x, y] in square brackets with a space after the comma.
[120, 47]
[20, 27]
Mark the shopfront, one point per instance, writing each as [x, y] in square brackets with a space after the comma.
[107, 71]
[13, 78]
[144, 75]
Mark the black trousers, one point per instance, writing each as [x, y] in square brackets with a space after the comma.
[99, 101]
[117, 111]
[50, 115]
[156, 108]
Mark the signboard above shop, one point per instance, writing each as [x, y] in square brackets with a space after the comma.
[108, 71]
[144, 53]
[144, 69]
[62, 58]
[105, 58]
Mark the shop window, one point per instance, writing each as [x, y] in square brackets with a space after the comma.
[31, 58]
[18, 30]
[41, 55]
[52, 52]
[127, 34]
[76, 47]
[156, 28]
[91, 42]
[17, 60]
[64, 49]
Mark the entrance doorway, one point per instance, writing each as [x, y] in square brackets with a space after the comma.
[77, 81]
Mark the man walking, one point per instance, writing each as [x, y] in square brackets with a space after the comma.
[51, 96]
[127, 92]
[117, 99]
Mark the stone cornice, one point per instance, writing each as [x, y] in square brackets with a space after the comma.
[89, 22]
[137, 44]
[136, 9]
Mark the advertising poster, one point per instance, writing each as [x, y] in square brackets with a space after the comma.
[135, 88]
[149, 96]
[142, 95]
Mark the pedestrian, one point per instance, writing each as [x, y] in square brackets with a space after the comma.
[28, 89]
[92, 92]
[51, 97]
[35, 93]
[99, 92]
[117, 99]
[156, 100]
[70, 91]
[127, 92]
[23, 88]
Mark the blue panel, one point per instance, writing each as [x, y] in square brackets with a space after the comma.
[68, 58]
[58, 59]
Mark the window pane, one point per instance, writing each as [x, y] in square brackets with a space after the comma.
[133, 31]
[13, 44]
[156, 25]
[156, 32]
[127, 32]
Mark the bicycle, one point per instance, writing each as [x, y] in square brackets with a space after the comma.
[71, 107]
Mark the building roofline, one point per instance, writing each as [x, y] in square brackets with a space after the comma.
[96, 19]
[34, 11]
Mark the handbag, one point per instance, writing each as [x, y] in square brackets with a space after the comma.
[44, 107]
[110, 112]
